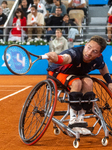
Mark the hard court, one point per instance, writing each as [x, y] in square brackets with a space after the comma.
[13, 93]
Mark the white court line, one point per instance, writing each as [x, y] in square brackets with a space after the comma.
[15, 93]
[13, 85]
[8, 90]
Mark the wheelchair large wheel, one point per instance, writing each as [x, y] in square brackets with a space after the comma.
[37, 111]
[105, 101]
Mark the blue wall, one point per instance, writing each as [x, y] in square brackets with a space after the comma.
[38, 68]
[98, 2]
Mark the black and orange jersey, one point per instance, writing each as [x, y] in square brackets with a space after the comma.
[77, 66]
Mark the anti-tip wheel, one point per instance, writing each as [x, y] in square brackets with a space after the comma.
[76, 143]
[56, 131]
[104, 141]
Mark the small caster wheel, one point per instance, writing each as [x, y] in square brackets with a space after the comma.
[76, 143]
[56, 131]
[104, 141]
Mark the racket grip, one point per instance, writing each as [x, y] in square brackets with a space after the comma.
[44, 56]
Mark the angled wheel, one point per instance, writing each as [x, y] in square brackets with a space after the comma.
[76, 143]
[37, 111]
[104, 141]
[105, 101]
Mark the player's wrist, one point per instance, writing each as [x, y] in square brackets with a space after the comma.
[60, 59]
[107, 78]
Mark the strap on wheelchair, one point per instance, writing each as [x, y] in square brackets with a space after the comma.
[58, 82]
[69, 78]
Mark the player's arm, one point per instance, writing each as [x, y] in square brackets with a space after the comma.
[59, 59]
[104, 70]
[106, 75]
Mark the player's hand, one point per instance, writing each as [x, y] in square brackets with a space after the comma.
[52, 57]
[110, 86]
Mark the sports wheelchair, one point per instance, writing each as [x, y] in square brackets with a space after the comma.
[39, 110]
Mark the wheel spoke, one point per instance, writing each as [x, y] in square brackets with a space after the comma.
[37, 111]
[105, 101]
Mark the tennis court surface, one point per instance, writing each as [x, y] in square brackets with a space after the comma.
[13, 93]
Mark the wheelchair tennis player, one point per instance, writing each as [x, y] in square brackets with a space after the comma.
[71, 68]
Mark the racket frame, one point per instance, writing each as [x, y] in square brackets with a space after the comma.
[28, 54]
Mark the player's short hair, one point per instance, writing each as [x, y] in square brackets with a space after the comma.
[100, 40]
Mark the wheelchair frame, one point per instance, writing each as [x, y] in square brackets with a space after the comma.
[39, 110]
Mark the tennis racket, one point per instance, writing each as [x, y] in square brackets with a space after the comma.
[18, 59]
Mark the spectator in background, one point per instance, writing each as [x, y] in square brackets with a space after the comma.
[17, 33]
[72, 31]
[59, 43]
[40, 7]
[24, 6]
[35, 19]
[3, 19]
[55, 20]
[57, 3]
[109, 30]
[77, 4]
[48, 4]
[28, 1]
[6, 10]
[110, 3]
[110, 11]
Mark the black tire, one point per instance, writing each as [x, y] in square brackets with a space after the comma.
[37, 111]
[105, 101]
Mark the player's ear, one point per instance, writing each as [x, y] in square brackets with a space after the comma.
[86, 44]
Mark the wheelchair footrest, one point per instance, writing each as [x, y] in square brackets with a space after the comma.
[82, 131]
[78, 124]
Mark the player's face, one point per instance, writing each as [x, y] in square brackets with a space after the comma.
[91, 51]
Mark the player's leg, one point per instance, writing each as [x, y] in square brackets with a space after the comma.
[75, 95]
[87, 90]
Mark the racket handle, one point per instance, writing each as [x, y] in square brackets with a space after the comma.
[44, 56]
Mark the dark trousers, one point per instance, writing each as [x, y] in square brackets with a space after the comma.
[49, 34]
[1, 34]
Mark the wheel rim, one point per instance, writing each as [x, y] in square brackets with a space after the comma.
[105, 101]
[38, 112]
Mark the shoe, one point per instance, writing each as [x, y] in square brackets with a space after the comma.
[108, 41]
[77, 121]
[81, 114]
[73, 116]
